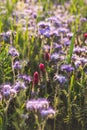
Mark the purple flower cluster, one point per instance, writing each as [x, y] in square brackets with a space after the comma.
[48, 113]
[17, 65]
[61, 79]
[67, 68]
[26, 78]
[37, 104]
[7, 91]
[41, 105]
[13, 52]
[19, 85]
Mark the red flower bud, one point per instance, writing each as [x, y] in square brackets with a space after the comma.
[42, 67]
[36, 78]
[47, 56]
[85, 35]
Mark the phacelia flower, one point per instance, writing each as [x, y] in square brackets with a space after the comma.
[26, 78]
[6, 90]
[42, 67]
[37, 104]
[13, 52]
[36, 78]
[67, 68]
[17, 65]
[19, 85]
[61, 79]
[47, 113]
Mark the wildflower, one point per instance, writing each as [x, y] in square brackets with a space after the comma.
[47, 56]
[61, 79]
[37, 104]
[17, 65]
[42, 67]
[19, 85]
[57, 46]
[77, 63]
[66, 41]
[6, 90]
[67, 68]
[36, 78]
[69, 35]
[13, 92]
[13, 52]
[26, 78]
[46, 47]
[85, 35]
[54, 57]
[47, 113]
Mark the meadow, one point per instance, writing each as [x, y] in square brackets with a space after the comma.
[43, 65]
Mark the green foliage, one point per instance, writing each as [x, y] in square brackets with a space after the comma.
[5, 66]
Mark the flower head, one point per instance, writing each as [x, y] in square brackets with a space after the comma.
[17, 65]
[36, 77]
[42, 67]
[19, 85]
[67, 68]
[47, 113]
[61, 79]
[37, 104]
[6, 90]
[85, 35]
[47, 56]
[13, 52]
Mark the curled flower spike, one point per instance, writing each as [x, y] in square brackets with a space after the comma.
[47, 113]
[42, 67]
[37, 104]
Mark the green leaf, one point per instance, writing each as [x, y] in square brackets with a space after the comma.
[71, 49]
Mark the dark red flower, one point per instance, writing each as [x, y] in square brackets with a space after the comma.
[47, 56]
[36, 78]
[42, 67]
[85, 35]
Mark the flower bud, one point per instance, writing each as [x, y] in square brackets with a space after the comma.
[36, 78]
[47, 56]
[42, 67]
[85, 35]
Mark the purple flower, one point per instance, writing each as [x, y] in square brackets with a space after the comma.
[6, 90]
[43, 24]
[66, 41]
[69, 35]
[19, 85]
[63, 30]
[83, 60]
[61, 79]
[54, 33]
[77, 63]
[67, 68]
[48, 112]
[57, 46]
[54, 57]
[46, 47]
[26, 78]
[17, 65]
[83, 19]
[37, 104]
[13, 52]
